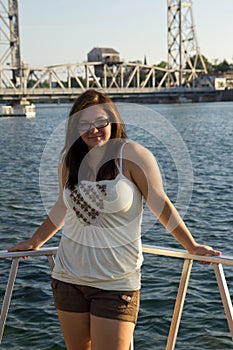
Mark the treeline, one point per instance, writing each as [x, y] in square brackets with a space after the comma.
[223, 66]
[214, 68]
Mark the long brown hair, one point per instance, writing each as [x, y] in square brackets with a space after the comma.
[75, 148]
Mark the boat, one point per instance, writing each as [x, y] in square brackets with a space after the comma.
[23, 108]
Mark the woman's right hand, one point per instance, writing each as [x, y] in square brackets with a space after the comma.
[23, 246]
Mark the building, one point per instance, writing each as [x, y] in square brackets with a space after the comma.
[103, 54]
[216, 81]
[229, 79]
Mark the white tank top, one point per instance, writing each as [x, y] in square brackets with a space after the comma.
[101, 238]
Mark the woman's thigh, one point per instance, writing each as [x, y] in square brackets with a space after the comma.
[76, 329]
[110, 334]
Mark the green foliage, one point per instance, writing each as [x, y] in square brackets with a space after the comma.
[224, 66]
[199, 63]
[162, 64]
[221, 67]
[75, 84]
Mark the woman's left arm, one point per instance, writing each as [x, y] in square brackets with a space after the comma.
[144, 171]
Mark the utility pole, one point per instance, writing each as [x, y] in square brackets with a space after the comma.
[10, 39]
[185, 61]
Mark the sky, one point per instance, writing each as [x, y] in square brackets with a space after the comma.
[63, 31]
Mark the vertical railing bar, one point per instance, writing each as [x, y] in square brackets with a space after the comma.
[51, 261]
[225, 295]
[175, 323]
[8, 295]
[131, 345]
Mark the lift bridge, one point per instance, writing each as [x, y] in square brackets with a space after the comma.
[184, 66]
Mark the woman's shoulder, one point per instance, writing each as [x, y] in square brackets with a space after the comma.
[135, 148]
[138, 156]
[140, 165]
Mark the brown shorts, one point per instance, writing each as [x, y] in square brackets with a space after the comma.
[119, 305]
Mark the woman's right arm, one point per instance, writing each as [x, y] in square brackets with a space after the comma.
[51, 224]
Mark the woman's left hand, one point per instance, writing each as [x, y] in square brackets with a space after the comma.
[205, 250]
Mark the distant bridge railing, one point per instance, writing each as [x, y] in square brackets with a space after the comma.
[217, 263]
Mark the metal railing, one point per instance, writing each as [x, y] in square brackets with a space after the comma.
[217, 263]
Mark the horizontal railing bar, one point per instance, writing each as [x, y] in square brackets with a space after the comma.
[179, 253]
[175, 253]
[40, 252]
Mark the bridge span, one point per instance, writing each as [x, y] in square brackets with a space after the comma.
[65, 82]
[68, 79]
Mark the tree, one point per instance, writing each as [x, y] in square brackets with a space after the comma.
[162, 64]
[224, 66]
[199, 65]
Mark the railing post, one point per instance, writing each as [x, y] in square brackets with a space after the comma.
[131, 345]
[184, 281]
[51, 261]
[225, 295]
[8, 295]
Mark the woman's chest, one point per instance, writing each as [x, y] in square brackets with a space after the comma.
[89, 200]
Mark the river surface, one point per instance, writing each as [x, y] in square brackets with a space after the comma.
[193, 146]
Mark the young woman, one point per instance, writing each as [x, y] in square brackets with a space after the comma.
[103, 181]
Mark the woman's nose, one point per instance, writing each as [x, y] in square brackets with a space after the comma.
[93, 128]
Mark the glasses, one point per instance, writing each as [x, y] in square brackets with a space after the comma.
[98, 124]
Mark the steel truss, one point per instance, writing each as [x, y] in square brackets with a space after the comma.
[10, 39]
[184, 56]
[118, 76]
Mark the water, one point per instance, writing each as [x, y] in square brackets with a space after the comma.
[207, 133]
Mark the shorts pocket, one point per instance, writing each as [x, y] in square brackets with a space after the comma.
[54, 284]
[126, 297]
[131, 297]
[129, 305]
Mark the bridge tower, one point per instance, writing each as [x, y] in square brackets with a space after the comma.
[184, 56]
[10, 39]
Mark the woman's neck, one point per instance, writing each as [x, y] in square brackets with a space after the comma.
[95, 156]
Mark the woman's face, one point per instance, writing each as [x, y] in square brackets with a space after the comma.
[94, 126]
